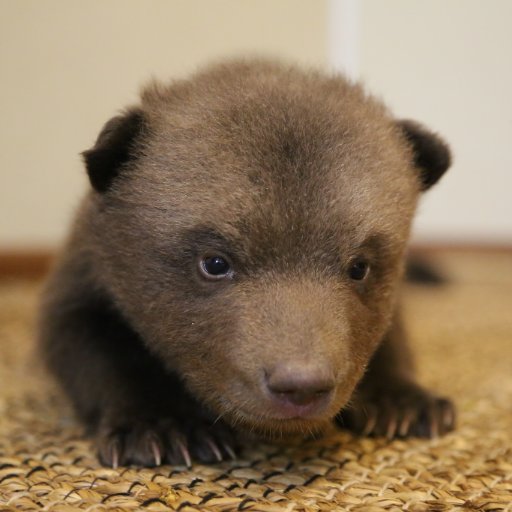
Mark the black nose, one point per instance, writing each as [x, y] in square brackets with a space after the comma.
[300, 384]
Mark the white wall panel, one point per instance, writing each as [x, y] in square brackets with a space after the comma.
[447, 63]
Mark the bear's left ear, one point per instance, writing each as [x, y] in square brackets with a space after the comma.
[431, 154]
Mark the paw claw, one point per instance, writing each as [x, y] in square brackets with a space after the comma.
[371, 422]
[405, 424]
[434, 430]
[214, 448]
[229, 451]
[157, 455]
[114, 453]
[448, 417]
[184, 453]
[392, 426]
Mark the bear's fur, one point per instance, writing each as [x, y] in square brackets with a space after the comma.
[304, 186]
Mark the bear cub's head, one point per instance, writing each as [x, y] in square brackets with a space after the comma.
[250, 224]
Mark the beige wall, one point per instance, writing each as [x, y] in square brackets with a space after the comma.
[66, 66]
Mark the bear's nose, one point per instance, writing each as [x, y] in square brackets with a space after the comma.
[300, 384]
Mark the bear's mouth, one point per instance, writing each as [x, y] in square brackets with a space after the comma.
[277, 426]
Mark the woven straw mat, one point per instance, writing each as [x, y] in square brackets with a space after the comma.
[462, 333]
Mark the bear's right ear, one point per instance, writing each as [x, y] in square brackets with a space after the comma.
[113, 148]
[430, 152]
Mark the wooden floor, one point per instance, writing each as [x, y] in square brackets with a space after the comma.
[462, 334]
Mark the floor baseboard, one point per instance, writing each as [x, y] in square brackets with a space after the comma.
[25, 264]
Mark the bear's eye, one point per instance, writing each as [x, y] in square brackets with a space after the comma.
[215, 267]
[358, 269]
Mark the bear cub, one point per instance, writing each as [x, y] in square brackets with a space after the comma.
[236, 266]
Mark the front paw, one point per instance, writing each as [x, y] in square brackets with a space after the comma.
[398, 410]
[164, 441]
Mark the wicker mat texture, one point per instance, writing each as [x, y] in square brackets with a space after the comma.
[462, 332]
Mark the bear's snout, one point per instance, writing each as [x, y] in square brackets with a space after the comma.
[299, 389]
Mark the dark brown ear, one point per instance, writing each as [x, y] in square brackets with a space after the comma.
[113, 148]
[431, 154]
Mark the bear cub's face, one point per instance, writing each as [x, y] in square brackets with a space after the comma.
[250, 224]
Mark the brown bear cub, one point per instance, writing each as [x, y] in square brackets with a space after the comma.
[236, 265]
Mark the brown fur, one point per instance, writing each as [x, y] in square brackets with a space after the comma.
[290, 175]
